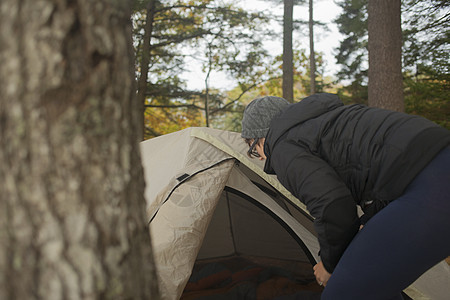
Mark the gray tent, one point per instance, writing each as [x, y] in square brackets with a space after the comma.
[206, 200]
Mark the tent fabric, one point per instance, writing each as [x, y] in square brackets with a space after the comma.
[206, 199]
[174, 155]
[178, 238]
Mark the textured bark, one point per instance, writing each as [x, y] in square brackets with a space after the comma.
[385, 55]
[72, 222]
[288, 65]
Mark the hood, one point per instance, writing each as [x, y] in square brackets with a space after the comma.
[308, 108]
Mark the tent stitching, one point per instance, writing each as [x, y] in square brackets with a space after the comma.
[185, 178]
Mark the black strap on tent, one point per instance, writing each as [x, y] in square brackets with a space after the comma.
[184, 179]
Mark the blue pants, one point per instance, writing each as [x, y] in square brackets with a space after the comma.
[400, 242]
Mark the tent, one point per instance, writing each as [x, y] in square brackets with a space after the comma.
[208, 204]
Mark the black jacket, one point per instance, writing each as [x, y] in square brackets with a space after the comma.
[333, 157]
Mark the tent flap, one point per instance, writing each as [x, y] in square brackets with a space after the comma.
[180, 225]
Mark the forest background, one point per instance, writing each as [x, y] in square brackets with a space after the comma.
[229, 38]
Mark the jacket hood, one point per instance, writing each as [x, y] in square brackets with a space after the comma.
[308, 108]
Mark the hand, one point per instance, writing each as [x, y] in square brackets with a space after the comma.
[322, 275]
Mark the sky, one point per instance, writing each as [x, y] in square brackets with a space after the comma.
[324, 11]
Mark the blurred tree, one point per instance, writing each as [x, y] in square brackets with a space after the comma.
[312, 60]
[427, 38]
[145, 57]
[288, 68]
[425, 59]
[385, 55]
[72, 212]
[289, 24]
[424, 53]
[301, 72]
[352, 53]
[231, 119]
[221, 36]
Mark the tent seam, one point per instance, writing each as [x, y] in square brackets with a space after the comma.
[183, 181]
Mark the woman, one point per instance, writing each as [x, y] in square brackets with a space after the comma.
[395, 166]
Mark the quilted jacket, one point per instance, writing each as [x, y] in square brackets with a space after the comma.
[334, 157]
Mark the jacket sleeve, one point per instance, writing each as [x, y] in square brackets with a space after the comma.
[327, 198]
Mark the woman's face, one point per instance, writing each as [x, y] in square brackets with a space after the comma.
[258, 148]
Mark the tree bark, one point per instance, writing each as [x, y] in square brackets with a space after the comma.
[312, 59]
[288, 65]
[72, 223]
[385, 57]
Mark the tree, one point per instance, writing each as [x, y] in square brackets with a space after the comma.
[312, 60]
[425, 59]
[288, 69]
[223, 38]
[424, 56]
[288, 60]
[145, 57]
[72, 221]
[352, 55]
[426, 33]
[385, 55]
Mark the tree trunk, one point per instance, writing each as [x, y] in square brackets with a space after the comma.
[312, 59]
[208, 73]
[288, 65]
[385, 56]
[145, 60]
[72, 223]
